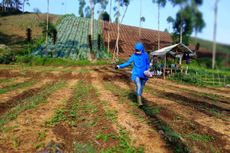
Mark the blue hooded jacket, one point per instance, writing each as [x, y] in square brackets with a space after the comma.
[140, 62]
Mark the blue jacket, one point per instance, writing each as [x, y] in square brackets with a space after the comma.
[140, 62]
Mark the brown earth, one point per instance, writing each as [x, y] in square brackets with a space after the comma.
[29, 131]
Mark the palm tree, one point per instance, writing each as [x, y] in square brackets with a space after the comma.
[214, 34]
[170, 20]
[160, 3]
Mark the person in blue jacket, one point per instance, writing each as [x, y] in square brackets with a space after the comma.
[141, 63]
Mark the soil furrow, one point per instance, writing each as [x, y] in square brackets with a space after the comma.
[29, 129]
[8, 96]
[140, 133]
[169, 111]
[211, 90]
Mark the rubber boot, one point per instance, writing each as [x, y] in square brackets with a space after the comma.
[140, 104]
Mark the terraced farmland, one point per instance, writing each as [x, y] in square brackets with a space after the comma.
[72, 39]
[93, 109]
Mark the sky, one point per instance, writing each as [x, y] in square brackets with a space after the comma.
[149, 11]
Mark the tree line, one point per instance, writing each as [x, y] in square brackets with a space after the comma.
[13, 5]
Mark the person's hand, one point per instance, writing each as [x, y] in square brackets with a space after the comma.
[116, 67]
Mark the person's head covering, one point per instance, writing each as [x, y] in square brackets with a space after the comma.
[139, 46]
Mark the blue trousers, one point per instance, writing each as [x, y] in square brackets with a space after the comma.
[140, 83]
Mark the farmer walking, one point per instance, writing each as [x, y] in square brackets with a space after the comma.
[140, 60]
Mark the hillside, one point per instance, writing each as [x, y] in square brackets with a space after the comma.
[13, 28]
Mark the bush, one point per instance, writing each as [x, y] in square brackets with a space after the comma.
[6, 55]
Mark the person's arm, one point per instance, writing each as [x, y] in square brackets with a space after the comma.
[127, 63]
[147, 62]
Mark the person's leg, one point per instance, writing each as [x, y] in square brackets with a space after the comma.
[138, 90]
[142, 85]
[138, 86]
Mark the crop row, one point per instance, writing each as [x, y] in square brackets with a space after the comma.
[72, 40]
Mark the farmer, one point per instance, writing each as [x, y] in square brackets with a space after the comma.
[141, 63]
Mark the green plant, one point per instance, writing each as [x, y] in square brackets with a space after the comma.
[16, 142]
[105, 137]
[111, 115]
[83, 148]
[58, 116]
[6, 55]
[200, 137]
[30, 102]
[41, 136]
[16, 86]
[123, 145]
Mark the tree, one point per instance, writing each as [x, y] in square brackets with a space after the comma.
[188, 18]
[214, 34]
[104, 16]
[81, 7]
[160, 3]
[170, 20]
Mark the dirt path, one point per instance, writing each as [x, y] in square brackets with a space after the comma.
[28, 129]
[140, 133]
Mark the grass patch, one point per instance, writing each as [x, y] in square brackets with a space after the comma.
[152, 110]
[172, 138]
[58, 116]
[111, 115]
[105, 137]
[199, 137]
[124, 144]
[30, 103]
[16, 86]
[83, 148]
[47, 61]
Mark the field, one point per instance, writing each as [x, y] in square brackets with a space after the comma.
[94, 109]
[72, 39]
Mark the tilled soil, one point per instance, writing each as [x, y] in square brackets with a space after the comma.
[74, 117]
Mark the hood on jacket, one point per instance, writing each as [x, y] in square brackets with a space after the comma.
[139, 46]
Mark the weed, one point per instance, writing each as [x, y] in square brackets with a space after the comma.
[83, 148]
[16, 86]
[200, 138]
[58, 116]
[105, 137]
[40, 145]
[124, 145]
[152, 110]
[8, 129]
[16, 142]
[41, 136]
[30, 103]
[45, 61]
[111, 115]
